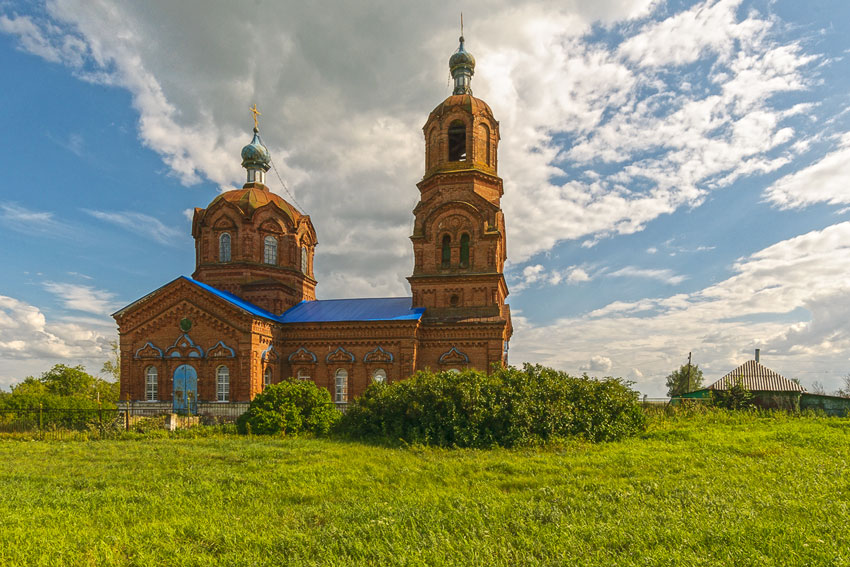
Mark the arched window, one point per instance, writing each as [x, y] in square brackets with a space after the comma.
[341, 386]
[151, 384]
[270, 250]
[379, 376]
[303, 374]
[304, 260]
[267, 378]
[222, 380]
[457, 141]
[447, 251]
[224, 247]
[464, 251]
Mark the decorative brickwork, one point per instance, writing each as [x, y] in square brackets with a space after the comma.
[254, 261]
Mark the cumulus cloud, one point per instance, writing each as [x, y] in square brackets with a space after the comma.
[790, 299]
[537, 274]
[597, 363]
[28, 339]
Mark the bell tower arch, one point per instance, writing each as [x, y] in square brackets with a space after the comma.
[459, 240]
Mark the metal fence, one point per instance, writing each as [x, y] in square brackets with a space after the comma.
[110, 422]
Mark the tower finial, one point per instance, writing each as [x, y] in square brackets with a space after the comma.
[462, 66]
[256, 114]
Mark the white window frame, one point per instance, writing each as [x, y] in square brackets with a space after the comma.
[379, 376]
[224, 247]
[303, 375]
[267, 377]
[270, 250]
[151, 384]
[341, 386]
[304, 260]
[222, 384]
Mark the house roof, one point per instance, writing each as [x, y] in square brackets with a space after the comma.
[363, 309]
[757, 377]
[324, 310]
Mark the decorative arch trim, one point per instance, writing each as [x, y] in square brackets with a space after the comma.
[378, 354]
[302, 355]
[184, 347]
[149, 350]
[340, 355]
[221, 350]
[454, 356]
[269, 355]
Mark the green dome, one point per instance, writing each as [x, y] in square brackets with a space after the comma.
[256, 155]
[461, 58]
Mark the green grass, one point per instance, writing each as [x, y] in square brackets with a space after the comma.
[711, 490]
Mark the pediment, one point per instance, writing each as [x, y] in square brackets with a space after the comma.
[378, 355]
[340, 355]
[454, 356]
[149, 350]
[221, 350]
[269, 355]
[302, 356]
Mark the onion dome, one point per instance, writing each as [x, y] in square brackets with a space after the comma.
[256, 155]
[462, 67]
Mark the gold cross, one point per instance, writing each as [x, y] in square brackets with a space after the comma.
[256, 113]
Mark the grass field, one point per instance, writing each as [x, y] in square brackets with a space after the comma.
[712, 490]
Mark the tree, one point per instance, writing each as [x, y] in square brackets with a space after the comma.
[112, 367]
[844, 390]
[736, 397]
[68, 381]
[817, 388]
[686, 379]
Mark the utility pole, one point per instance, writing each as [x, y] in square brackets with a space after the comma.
[689, 372]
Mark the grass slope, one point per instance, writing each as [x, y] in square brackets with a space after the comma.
[719, 489]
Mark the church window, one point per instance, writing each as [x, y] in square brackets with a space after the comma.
[224, 247]
[151, 384]
[447, 251]
[270, 250]
[267, 378]
[303, 374]
[464, 251]
[457, 141]
[304, 260]
[341, 386]
[379, 376]
[454, 300]
[222, 375]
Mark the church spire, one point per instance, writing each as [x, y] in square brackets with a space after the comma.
[255, 156]
[462, 67]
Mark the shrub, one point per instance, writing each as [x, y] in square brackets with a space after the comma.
[736, 397]
[509, 407]
[290, 407]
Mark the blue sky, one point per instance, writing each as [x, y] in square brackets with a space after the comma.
[675, 172]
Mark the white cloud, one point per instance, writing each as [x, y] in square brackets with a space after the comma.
[598, 363]
[142, 224]
[791, 299]
[663, 275]
[538, 275]
[825, 181]
[83, 297]
[21, 219]
[30, 344]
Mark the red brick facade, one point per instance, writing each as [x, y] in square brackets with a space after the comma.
[256, 247]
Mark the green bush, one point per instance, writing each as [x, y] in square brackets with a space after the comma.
[290, 407]
[509, 407]
[736, 397]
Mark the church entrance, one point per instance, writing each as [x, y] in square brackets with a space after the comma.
[185, 390]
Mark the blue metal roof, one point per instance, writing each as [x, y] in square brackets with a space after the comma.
[366, 309]
[238, 302]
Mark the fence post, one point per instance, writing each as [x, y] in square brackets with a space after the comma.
[40, 417]
[127, 413]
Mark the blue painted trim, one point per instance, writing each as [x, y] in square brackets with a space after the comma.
[339, 349]
[301, 349]
[221, 344]
[456, 351]
[266, 352]
[377, 350]
[192, 347]
[146, 345]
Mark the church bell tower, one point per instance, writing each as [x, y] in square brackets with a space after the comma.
[459, 231]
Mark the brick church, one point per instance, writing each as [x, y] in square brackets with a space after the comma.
[248, 317]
